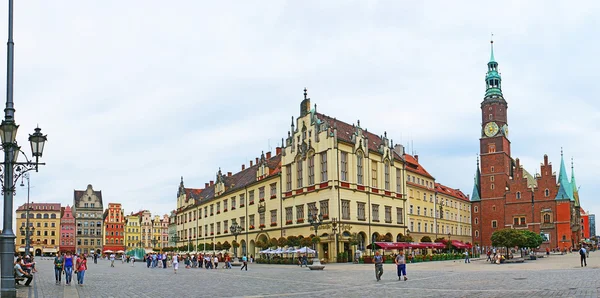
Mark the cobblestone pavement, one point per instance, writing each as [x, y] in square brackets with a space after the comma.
[556, 276]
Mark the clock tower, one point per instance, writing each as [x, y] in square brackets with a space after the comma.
[496, 163]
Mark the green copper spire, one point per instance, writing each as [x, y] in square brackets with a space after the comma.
[565, 191]
[493, 81]
[574, 186]
[475, 197]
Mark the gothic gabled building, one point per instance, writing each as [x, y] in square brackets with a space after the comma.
[505, 195]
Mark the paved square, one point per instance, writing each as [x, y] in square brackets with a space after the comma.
[556, 276]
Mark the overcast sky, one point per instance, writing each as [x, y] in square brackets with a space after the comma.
[135, 94]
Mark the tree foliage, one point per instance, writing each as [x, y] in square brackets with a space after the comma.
[426, 239]
[261, 244]
[305, 242]
[353, 239]
[293, 241]
[282, 241]
[388, 238]
[273, 242]
[532, 240]
[235, 244]
[508, 238]
[226, 245]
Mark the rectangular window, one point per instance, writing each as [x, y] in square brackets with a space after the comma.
[399, 215]
[345, 209]
[344, 166]
[323, 166]
[273, 216]
[388, 214]
[375, 210]
[312, 209]
[374, 174]
[261, 193]
[243, 222]
[324, 206]
[212, 229]
[360, 209]
[232, 203]
[411, 209]
[212, 210]
[218, 209]
[273, 190]
[219, 228]
[261, 218]
[494, 224]
[251, 197]
[311, 170]
[300, 213]
[387, 176]
[359, 169]
[398, 181]
[418, 210]
[516, 221]
[242, 200]
[288, 177]
[251, 219]
[299, 174]
[523, 221]
[224, 204]
[288, 215]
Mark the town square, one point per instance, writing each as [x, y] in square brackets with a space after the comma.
[285, 148]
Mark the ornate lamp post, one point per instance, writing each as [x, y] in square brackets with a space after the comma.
[175, 239]
[28, 233]
[189, 243]
[315, 220]
[449, 240]
[154, 241]
[334, 230]
[235, 229]
[28, 207]
[11, 169]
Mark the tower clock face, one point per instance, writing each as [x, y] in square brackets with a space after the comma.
[491, 129]
[505, 130]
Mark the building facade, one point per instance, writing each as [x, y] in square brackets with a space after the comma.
[44, 224]
[585, 225]
[146, 229]
[172, 229]
[164, 238]
[505, 195]
[114, 225]
[325, 166]
[133, 231]
[592, 225]
[67, 230]
[156, 240]
[88, 210]
[434, 210]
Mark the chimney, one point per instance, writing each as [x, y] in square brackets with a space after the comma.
[228, 174]
[243, 167]
[212, 183]
[257, 160]
[277, 150]
[417, 157]
[269, 155]
[250, 163]
[205, 185]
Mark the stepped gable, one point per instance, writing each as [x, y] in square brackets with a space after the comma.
[78, 194]
[457, 193]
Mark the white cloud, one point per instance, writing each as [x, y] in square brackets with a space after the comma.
[133, 95]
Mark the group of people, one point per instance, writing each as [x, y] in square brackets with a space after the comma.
[399, 260]
[207, 261]
[67, 264]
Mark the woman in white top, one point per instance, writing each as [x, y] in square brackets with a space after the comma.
[216, 262]
[175, 263]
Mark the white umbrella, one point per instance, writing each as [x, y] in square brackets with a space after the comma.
[278, 251]
[120, 251]
[305, 250]
[266, 251]
[108, 251]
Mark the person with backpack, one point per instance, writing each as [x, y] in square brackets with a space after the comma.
[582, 252]
[58, 268]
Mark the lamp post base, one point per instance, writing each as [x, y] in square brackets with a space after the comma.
[316, 265]
[7, 248]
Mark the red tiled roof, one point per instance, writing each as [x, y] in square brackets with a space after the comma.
[451, 192]
[41, 206]
[412, 165]
[192, 193]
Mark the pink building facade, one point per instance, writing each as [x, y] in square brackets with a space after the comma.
[67, 230]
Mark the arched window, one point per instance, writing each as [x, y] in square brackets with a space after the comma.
[476, 234]
[518, 194]
[46, 216]
[23, 215]
[39, 215]
[53, 216]
[361, 242]
[359, 168]
[547, 192]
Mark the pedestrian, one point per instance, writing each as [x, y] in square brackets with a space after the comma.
[164, 260]
[378, 260]
[304, 261]
[489, 256]
[112, 260]
[467, 259]
[175, 263]
[547, 251]
[68, 268]
[401, 264]
[58, 268]
[81, 268]
[582, 252]
[95, 258]
[132, 258]
[216, 262]
[21, 273]
[244, 263]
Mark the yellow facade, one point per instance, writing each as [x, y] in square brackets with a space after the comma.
[435, 210]
[132, 232]
[157, 232]
[341, 170]
[44, 222]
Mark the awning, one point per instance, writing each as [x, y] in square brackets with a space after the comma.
[50, 250]
[389, 245]
[459, 244]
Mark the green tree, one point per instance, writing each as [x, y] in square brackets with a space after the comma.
[282, 241]
[388, 238]
[261, 244]
[439, 240]
[273, 242]
[226, 245]
[532, 239]
[407, 238]
[305, 242]
[508, 238]
[293, 241]
[426, 239]
[315, 240]
[235, 244]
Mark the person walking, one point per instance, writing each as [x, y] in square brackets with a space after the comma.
[244, 263]
[582, 252]
[58, 268]
[132, 258]
[68, 268]
[95, 258]
[164, 260]
[175, 263]
[112, 260]
[81, 268]
[401, 264]
[378, 260]
[467, 259]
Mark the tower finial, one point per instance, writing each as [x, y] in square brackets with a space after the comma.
[492, 48]
[305, 94]
[561, 152]
[477, 160]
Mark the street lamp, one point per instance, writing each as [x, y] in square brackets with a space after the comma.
[27, 208]
[11, 169]
[334, 229]
[315, 220]
[449, 240]
[235, 229]
[28, 233]
[189, 242]
[154, 241]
